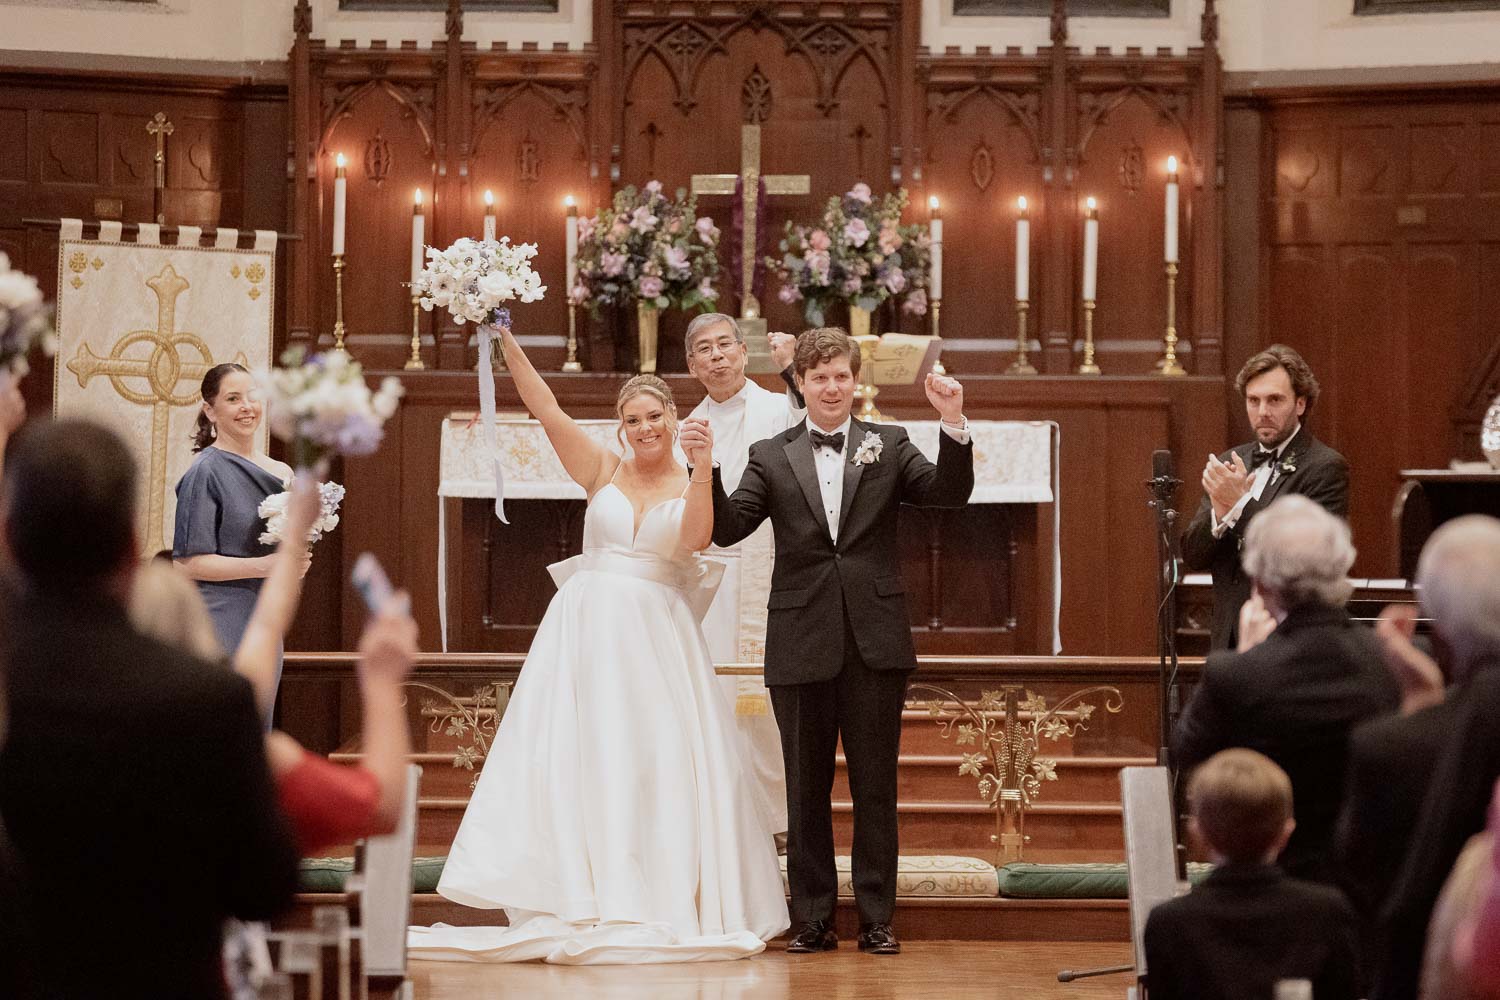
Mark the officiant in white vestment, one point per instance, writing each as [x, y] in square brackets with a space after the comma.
[740, 414]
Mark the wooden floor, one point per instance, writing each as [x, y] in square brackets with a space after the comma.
[948, 969]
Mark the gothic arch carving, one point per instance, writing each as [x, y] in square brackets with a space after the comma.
[1174, 106]
[340, 99]
[570, 105]
[1024, 106]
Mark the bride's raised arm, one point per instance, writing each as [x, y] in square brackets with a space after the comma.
[586, 462]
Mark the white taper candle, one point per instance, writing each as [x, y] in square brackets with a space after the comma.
[936, 281]
[489, 216]
[1171, 247]
[418, 227]
[1091, 251]
[572, 243]
[1023, 252]
[339, 193]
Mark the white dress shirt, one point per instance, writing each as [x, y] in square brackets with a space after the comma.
[830, 467]
[1263, 477]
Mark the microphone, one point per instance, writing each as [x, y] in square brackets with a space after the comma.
[1161, 464]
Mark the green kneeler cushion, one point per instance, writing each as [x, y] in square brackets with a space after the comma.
[329, 874]
[1087, 880]
[935, 876]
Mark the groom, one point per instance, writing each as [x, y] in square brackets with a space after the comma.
[838, 642]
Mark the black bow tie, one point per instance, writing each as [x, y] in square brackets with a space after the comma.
[821, 440]
[1261, 458]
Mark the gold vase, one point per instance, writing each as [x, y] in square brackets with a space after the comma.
[859, 321]
[867, 390]
[646, 319]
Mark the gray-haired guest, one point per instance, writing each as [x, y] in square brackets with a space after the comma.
[1304, 676]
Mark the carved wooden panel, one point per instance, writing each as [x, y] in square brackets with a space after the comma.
[365, 117]
[1126, 135]
[983, 152]
[13, 150]
[70, 147]
[820, 89]
[1381, 261]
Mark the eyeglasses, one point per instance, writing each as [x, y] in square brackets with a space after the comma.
[723, 345]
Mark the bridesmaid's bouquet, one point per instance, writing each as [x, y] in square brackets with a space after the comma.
[321, 406]
[274, 509]
[25, 320]
[472, 278]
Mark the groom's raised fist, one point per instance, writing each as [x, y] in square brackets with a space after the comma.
[946, 396]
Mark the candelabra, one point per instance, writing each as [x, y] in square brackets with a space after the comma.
[937, 308]
[1021, 366]
[572, 365]
[1168, 364]
[414, 363]
[338, 303]
[1088, 367]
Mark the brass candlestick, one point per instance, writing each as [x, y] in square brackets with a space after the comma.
[572, 365]
[414, 363]
[338, 303]
[867, 390]
[1088, 367]
[1168, 364]
[937, 308]
[1021, 366]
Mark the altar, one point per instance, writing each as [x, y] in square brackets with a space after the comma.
[987, 580]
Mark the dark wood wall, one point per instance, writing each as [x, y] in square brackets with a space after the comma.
[1364, 230]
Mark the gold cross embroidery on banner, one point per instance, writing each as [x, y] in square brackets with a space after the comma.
[163, 369]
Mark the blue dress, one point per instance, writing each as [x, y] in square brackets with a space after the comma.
[218, 501]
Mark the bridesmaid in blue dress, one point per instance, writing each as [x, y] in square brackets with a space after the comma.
[217, 538]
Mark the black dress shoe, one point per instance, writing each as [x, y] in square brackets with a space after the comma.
[815, 935]
[878, 939]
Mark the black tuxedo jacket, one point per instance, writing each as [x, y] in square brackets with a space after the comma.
[1454, 809]
[815, 580]
[1387, 784]
[134, 787]
[1318, 472]
[1295, 698]
[1244, 928]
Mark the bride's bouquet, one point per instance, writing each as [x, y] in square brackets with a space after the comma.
[321, 406]
[472, 278]
[25, 321]
[274, 509]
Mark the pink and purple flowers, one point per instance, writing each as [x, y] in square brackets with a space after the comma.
[646, 247]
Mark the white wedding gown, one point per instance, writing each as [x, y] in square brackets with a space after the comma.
[613, 820]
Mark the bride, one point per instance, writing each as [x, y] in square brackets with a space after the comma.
[613, 820]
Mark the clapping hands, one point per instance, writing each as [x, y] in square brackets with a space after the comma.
[946, 396]
[697, 440]
[1225, 483]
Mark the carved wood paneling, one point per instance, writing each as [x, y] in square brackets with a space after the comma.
[1380, 267]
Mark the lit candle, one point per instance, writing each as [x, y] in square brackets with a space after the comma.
[1023, 252]
[418, 224]
[338, 205]
[937, 249]
[1091, 251]
[572, 244]
[489, 216]
[1171, 210]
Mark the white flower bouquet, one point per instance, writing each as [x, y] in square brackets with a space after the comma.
[472, 278]
[321, 406]
[273, 509]
[25, 320]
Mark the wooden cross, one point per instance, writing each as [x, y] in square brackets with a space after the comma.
[163, 369]
[750, 177]
[160, 127]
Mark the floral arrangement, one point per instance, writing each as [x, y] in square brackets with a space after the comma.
[273, 509]
[648, 248]
[869, 449]
[859, 253]
[321, 406]
[472, 278]
[25, 321]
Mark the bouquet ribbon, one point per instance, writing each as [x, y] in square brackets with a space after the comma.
[487, 333]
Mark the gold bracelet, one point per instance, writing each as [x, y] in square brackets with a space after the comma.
[700, 482]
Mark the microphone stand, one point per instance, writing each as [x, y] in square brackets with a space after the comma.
[1163, 487]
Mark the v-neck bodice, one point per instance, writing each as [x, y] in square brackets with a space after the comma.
[609, 525]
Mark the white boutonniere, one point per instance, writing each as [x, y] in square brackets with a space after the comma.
[1289, 465]
[868, 451]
